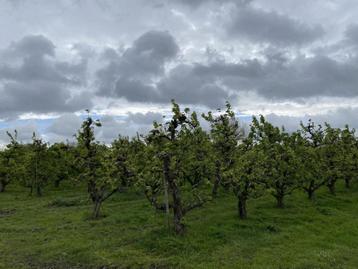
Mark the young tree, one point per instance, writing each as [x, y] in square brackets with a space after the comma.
[4, 172]
[332, 157]
[39, 166]
[282, 166]
[225, 134]
[311, 155]
[247, 174]
[98, 166]
[62, 155]
[9, 170]
[123, 150]
[183, 165]
[149, 174]
[349, 164]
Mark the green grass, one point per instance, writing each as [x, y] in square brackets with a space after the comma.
[54, 232]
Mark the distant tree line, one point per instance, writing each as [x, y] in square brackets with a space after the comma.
[179, 166]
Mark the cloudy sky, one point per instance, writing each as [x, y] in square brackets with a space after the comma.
[289, 60]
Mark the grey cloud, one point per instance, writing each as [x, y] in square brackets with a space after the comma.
[187, 86]
[307, 77]
[150, 51]
[24, 131]
[337, 118]
[271, 27]
[65, 126]
[351, 34]
[112, 127]
[277, 77]
[32, 69]
[148, 54]
[34, 96]
[138, 75]
[33, 45]
[248, 69]
[282, 79]
[197, 3]
[143, 61]
[144, 118]
[135, 90]
[183, 84]
[33, 80]
[129, 125]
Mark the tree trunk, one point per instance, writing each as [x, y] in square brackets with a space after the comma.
[332, 186]
[31, 189]
[178, 226]
[348, 183]
[96, 209]
[57, 183]
[59, 180]
[242, 207]
[2, 186]
[279, 199]
[175, 192]
[38, 190]
[217, 179]
[310, 192]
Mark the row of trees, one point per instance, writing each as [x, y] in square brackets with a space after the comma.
[179, 166]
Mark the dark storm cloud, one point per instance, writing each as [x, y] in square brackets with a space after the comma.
[33, 80]
[262, 26]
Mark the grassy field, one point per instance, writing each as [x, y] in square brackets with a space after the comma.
[54, 232]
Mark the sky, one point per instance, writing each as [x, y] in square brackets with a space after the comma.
[125, 60]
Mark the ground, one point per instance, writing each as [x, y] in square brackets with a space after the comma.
[54, 232]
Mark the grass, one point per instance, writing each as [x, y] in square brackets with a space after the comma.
[54, 232]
